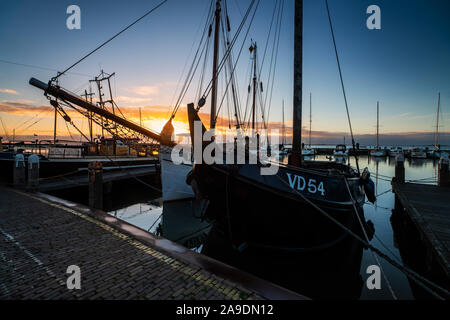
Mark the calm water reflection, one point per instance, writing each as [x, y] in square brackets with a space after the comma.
[340, 274]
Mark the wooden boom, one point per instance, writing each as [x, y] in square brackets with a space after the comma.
[62, 94]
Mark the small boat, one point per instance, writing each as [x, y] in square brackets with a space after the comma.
[308, 151]
[395, 151]
[340, 151]
[378, 151]
[437, 153]
[417, 153]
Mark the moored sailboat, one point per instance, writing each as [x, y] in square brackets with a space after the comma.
[243, 201]
[378, 151]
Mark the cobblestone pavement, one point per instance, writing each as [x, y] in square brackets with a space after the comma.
[40, 239]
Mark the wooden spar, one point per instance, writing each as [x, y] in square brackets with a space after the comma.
[254, 89]
[296, 157]
[378, 123]
[215, 60]
[54, 127]
[310, 117]
[90, 122]
[436, 135]
[282, 127]
[57, 92]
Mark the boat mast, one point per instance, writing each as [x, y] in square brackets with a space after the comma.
[214, 72]
[436, 135]
[310, 117]
[253, 48]
[378, 122]
[86, 95]
[282, 127]
[296, 158]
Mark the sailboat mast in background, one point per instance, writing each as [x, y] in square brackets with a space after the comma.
[436, 135]
[310, 118]
[378, 123]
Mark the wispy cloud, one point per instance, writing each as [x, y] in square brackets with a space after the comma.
[21, 106]
[144, 90]
[133, 100]
[10, 91]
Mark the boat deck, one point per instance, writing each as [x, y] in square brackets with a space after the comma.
[428, 206]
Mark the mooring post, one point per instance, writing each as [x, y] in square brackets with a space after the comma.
[399, 178]
[444, 174]
[33, 171]
[95, 170]
[19, 171]
[400, 168]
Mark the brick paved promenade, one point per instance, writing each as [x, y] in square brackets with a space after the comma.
[40, 238]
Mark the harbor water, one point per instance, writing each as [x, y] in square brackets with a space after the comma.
[341, 274]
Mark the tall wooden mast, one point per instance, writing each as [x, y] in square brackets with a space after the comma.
[253, 48]
[296, 158]
[214, 72]
[378, 124]
[283, 128]
[436, 135]
[310, 117]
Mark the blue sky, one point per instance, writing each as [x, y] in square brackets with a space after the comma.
[404, 65]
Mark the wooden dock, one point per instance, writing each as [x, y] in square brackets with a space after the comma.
[82, 179]
[428, 207]
[41, 236]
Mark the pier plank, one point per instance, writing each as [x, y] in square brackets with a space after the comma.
[83, 180]
[428, 206]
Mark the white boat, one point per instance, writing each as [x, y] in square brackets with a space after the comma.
[417, 153]
[378, 152]
[340, 151]
[437, 153]
[395, 151]
[308, 152]
[173, 178]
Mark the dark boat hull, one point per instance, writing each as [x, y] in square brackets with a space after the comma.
[270, 211]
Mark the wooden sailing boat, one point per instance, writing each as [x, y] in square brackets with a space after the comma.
[378, 152]
[246, 204]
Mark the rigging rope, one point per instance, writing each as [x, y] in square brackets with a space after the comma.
[367, 240]
[240, 51]
[110, 39]
[227, 53]
[342, 85]
[408, 272]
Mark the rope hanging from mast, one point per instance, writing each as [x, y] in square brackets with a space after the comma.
[343, 87]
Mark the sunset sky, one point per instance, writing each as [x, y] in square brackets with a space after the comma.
[404, 65]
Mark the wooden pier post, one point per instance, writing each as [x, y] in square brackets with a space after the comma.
[400, 178]
[400, 168]
[19, 171]
[95, 185]
[33, 172]
[444, 174]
